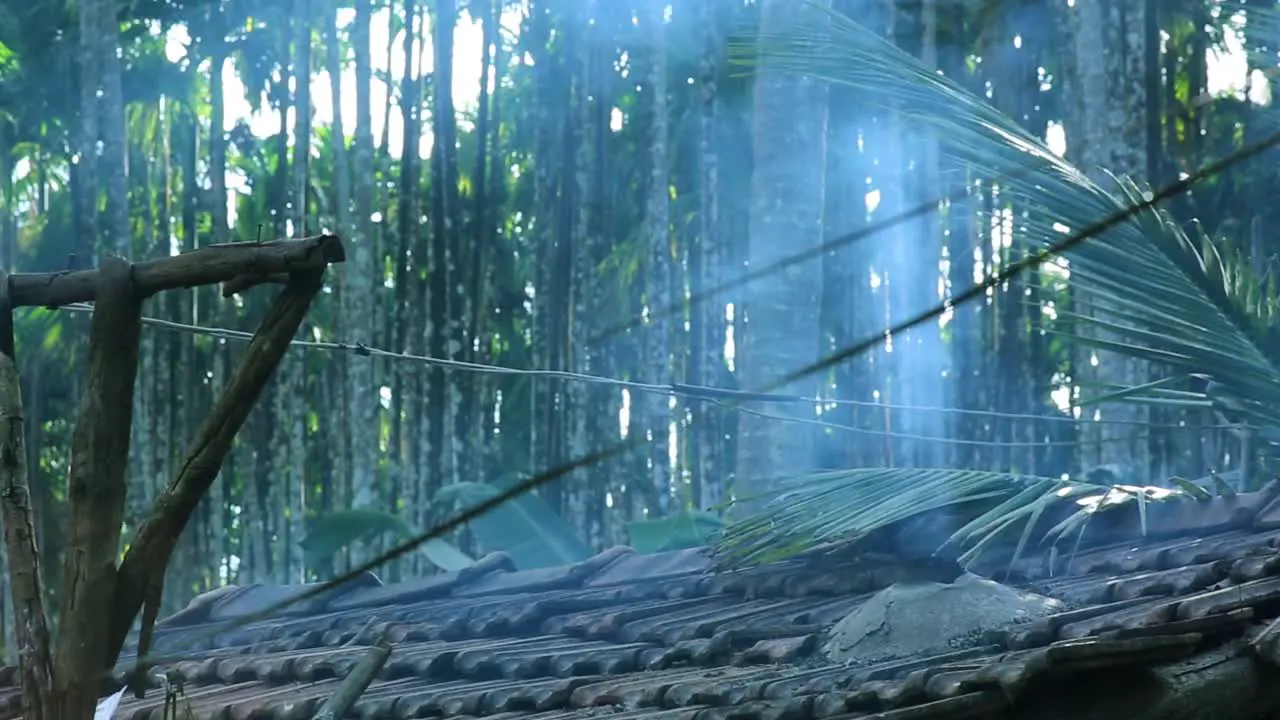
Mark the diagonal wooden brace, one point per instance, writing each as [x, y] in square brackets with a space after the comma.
[156, 539]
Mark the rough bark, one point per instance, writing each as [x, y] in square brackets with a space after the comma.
[223, 313]
[781, 315]
[96, 490]
[922, 349]
[445, 126]
[706, 319]
[542, 237]
[144, 399]
[86, 161]
[1105, 84]
[114, 143]
[657, 222]
[475, 387]
[354, 396]
[26, 582]
[218, 144]
[582, 286]
[358, 295]
[293, 372]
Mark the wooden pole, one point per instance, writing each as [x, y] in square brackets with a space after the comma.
[26, 583]
[96, 488]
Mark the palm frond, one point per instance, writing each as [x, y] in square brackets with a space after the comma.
[848, 506]
[1171, 297]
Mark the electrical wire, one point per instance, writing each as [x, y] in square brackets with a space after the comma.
[680, 390]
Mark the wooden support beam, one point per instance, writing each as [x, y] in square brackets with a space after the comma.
[96, 489]
[26, 582]
[156, 539]
[205, 266]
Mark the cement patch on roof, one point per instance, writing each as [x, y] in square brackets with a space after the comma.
[929, 618]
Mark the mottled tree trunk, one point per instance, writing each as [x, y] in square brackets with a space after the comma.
[476, 389]
[416, 318]
[115, 148]
[847, 294]
[358, 433]
[444, 124]
[361, 275]
[706, 317]
[1106, 132]
[583, 286]
[293, 373]
[218, 529]
[655, 416]
[781, 323]
[85, 170]
[540, 391]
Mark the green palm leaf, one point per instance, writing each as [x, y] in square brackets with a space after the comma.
[843, 506]
[1171, 296]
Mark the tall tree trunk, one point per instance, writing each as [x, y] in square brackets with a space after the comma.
[114, 146]
[847, 294]
[445, 130]
[706, 318]
[656, 415]
[219, 529]
[781, 324]
[292, 380]
[474, 387]
[1106, 132]
[358, 296]
[89, 67]
[440, 407]
[412, 419]
[358, 396]
[187, 387]
[922, 346]
[541, 392]
[579, 489]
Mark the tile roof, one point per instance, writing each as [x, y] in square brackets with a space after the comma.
[667, 637]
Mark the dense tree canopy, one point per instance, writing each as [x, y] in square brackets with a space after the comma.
[571, 221]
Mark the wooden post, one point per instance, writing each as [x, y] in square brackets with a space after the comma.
[151, 548]
[31, 628]
[96, 490]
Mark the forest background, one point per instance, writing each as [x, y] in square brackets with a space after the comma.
[585, 228]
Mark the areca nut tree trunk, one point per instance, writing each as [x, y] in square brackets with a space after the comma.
[781, 310]
[1106, 136]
